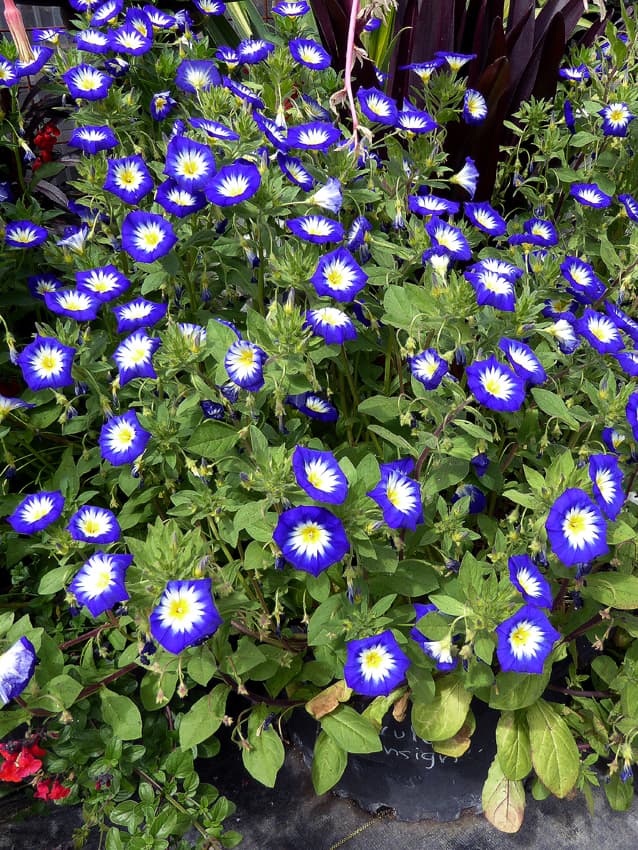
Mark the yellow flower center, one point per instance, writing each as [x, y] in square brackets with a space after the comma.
[310, 534]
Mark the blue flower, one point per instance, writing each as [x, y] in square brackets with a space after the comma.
[607, 483]
[210, 7]
[128, 179]
[17, 666]
[138, 314]
[378, 107]
[9, 404]
[576, 528]
[293, 169]
[244, 93]
[356, 236]
[253, 50]
[616, 119]
[628, 361]
[94, 525]
[134, 357]
[536, 231]
[563, 331]
[523, 360]
[228, 56]
[189, 163]
[41, 55]
[485, 218]
[414, 120]
[319, 474]
[9, 75]
[311, 539]
[428, 368]
[92, 139]
[589, 195]
[455, 61]
[36, 512]
[477, 498]
[309, 53]
[474, 107]
[495, 386]
[147, 236]
[46, 363]
[525, 641]
[600, 332]
[316, 407]
[314, 135]
[574, 75]
[104, 283]
[529, 581]
[480, 464]
[122, 439]
[632, 413]
[329, 196]
[214, 129]
[291, 8]
[432, 205]
[440, 651]
[24, 234]
[612, 439]
[233, 184]
[583, 282]
[92, 41]
[195, 75]
[179, 201]
[244, 363]
[467, 177]
[622, 320]
[85, 81]
[184, 615]
[376, 665]
[275, 133]
[570, 121]
[332, 324]
[161, 105]
[212, 409]
[73, 303]
[398, 495]
[631, 206]
[492, 289]
[105, 12]
[450, 238]
[339, 275]
[40, 283]
[99, 583]
[316, 228]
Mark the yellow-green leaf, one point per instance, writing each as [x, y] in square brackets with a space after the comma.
[615, 590]
[513, 746]
[328, 763]
[503, 800]
[554, 751]
[443, 717]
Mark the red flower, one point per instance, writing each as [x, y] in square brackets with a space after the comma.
[18, 765]
[48, 790]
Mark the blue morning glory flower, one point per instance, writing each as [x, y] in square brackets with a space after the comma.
[293, 169]
[99, 583]
[214, 129]
[244, 362]
[94, 525]
[46, 363]
[601, 333]
[314, 135]
[375, 665]
[424, 70]
[378, 106]
[104, 283]
[9, 75]
[316, 407]
[576, 528]
[414, 120]
[275, 133]
[93, 139]
[24, 234]
[485, 218]
[233, 184]
[177, 200]
[631, 206]
[589, 195]
[455, 61]
[450, 238]
[315, 109]
[41, 55]
[428, 368]
[529, 581]
[161, 105]
[584, 284]
[477, 503]
[36, 512]
[189, 163]
[311, 539]
[212, 409]
[105, 12]
[356, 236]
[134, 356]
[329, 196]
[525, 640]
[17, 666]
[480, 464]
[467, 177]
[332, 324]
[228, 56]
[499, 267]
[339, 275]
[495, 386]
[77, 305]
[631, 412]
[523, 360]
[194, 75]
[184, 615]
[492, 289]
[194, 335]
[440, 651]
[398, 496]
[319, 474]
[612, 439]
[316, 228]
[85, 81]
[253, 50]
[40, 283]
[563, 332]
[138, 314]
[92, 41]
[49, 35]
[147, 236]
[570, 120]
[536, 231]
[210, 7]
[474, 107]
[291, 9]
[432, 205]
[628, 361]
[616, 119]
[622, 320]
[574, 75]
[122, 439]
[308, 52]
[129, 40]
[9, 404]
[128, 179]
[607, 483]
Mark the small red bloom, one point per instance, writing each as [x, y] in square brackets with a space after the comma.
[18, 765]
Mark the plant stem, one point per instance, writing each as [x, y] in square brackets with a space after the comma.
[352, 28]
[446, 421]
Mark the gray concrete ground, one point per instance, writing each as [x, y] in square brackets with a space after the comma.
[290, 817]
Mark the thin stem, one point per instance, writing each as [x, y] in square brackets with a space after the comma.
[574, 692]
[212, 842]
[352, 28]
[446, 421]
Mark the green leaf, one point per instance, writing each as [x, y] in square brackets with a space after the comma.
[620, 532]
[204, 717]
[582, 139]
[266, 754]
[554, 751]
[380, 407]
[53, 581]
[10, 719]
[553, 405]
[450, 471]
[517, 690]
[350, 731]
[212, 440]
[614, 590]
[328, 763]
[448, 605]
[503, 800]
[443, 717]
[65, 689]
[513, 746]
[619, 794]
[202, 666]
[394, 439]
[121, 714]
